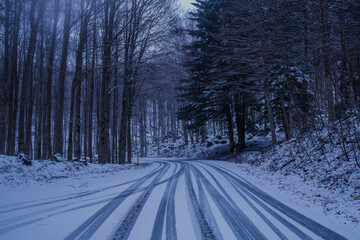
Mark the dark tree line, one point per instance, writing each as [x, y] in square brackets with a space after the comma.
[76, 76]
[97, 79]
[271, 66]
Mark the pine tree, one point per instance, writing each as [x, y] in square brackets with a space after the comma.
[198, 89]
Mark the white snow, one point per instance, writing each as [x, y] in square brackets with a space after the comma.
[271, 184]
[59, 217]
[13, 172]
[43, 209]
[318, 168]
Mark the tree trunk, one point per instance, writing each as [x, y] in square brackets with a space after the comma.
[76, 88]
[59, 119]
[240, 111]
[123, 125]
[161, 127]
[77, 119]
[26, 89]
[145, 130]
[129, 140]
[230, 126]
[50, 66]
[5, 78]
[114, 125]
[242, 140]
[326, 58]
[155, 124]
[40, 100]
[71, 119]
[14, 82]
[142, 126]
[186, 138]
[92, 83]
[286, 120]
[115, 110]
[104, 146]
[270, 113]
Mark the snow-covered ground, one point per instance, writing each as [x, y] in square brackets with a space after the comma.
[305, 188]
[42, 209]
[13, 172]
[167, 199]
[319, 168]
[335, 203]
[213, 147]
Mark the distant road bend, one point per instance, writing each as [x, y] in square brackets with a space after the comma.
[183, 199]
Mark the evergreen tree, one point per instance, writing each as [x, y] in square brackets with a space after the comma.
[197, 89]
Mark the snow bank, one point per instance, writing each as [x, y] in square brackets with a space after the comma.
[320, 167]
[213, 148]
[13, 172]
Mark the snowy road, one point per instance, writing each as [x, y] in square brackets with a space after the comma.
[175, 199]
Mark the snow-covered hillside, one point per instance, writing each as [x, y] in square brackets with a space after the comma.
[214, 147]
[320, 167]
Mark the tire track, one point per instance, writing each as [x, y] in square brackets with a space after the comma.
[95, 221]
[239, 223]
[126, 226]
[306, 222]
[205, 207]
[164, 204]
[202, 186]
[31, 215]
[67, 197]
[23, 224]
[205, 229]
[170, 213]
[263, 217]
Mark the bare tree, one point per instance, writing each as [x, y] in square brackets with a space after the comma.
[74, 121]
[59, 112]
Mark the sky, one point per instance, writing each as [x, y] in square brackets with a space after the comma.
[186, 4]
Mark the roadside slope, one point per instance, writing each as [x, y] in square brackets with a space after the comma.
[321, 167]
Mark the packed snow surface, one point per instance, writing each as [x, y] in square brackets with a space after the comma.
[167, 199]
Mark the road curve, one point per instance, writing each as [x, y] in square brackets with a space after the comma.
[178, 199]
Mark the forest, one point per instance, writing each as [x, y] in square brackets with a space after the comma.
[95, 80]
